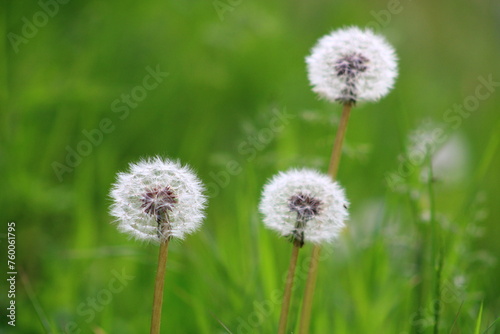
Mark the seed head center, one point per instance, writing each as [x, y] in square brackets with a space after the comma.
[350, 65]
[305, 206]
[158, 201]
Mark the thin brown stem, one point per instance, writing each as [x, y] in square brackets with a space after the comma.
[339, 140]
[285, 306]
[305, 317]
[159, 283]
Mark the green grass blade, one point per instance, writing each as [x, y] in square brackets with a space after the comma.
[478, 321]
[491, 325]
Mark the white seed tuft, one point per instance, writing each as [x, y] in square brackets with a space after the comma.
[351, 64]
[157, 199]
[304, 205]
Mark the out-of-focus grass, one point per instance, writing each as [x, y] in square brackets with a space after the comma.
[225, 78]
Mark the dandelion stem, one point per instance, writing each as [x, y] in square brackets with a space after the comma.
[285, 306]
[305, 318]
[339, 139]
[159, 283]
[437, 249]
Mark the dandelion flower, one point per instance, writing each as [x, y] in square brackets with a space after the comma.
[304, 206]
[350, 65]
[447, 153]
[158, 199]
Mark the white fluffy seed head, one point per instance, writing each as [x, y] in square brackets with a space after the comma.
[304, 205]
[157, 199]
[351, 64]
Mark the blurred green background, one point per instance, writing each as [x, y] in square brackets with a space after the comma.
[232, 65]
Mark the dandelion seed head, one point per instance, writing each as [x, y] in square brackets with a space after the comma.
[304, 206]
[350, 65]
[157, 199]
[449, 153]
